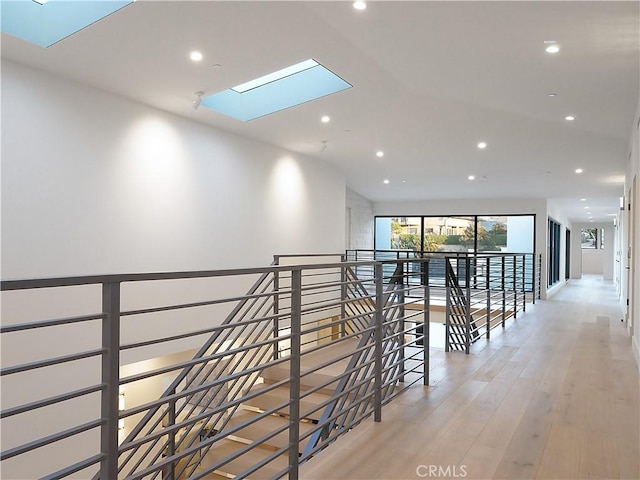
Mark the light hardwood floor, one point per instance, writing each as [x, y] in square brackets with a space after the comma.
[555, 396]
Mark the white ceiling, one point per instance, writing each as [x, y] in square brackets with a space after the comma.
[430, 80]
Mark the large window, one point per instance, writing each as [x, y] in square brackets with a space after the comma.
[507, 233]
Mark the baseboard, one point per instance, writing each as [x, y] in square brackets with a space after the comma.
[636, 350]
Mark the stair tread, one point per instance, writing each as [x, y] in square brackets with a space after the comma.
[311, 360]
[264, 426]
[277, 396]
[224, 448]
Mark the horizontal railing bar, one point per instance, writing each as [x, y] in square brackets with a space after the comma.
[76, 467]
[190, 363]
[41, 442]
[193, 420]
[196, 304]
[9, 285]
[52, 361]
[202, 387]
[17, 327]
[217, 328]
[51, 400]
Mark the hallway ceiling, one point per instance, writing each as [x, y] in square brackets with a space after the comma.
[430, 80]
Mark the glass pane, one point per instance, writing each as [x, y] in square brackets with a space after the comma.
[588, 237]
[449, 234]
[398, 233]
[602, 238]
[511, 234]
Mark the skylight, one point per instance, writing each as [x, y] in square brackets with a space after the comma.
[285, 88]
[45, 22]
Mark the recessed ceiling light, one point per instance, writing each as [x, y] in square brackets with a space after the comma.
[570, 118]
[482, 145]
[471, 177]
[586, 208]
[583, 199]
[579, 170]
[379, 154]
[325, 119]
[385, 181]
[553, 94]
[404, 181]
[359, 5]
[196, 56]
[553, 48]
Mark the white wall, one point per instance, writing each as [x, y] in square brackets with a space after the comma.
[93, 184]
[360, 221]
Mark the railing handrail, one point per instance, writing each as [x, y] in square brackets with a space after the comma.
[52, 282]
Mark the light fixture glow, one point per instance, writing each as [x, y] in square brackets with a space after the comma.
[553, 94]
[325, 119]
[359, 5]
[385, 181]
[579, 170]
[586, 208]
[196, 56]
[482, 145]
[471, 177]
[272, 77]
[570, 118]
[379, 154]
[553, 48]
[583, 199]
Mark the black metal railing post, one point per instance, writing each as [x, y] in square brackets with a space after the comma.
[426, 325]
[504, 291]
[447, 317]
[377, 408]
[171, 447]
[110, 379]
[401, 299]
[467, 333]
[488, 306]
[515, 288]
[294, 374]
[276, 308]
[343, 295]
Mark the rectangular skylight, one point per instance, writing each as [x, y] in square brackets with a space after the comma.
[45, 22]
[272, 77]
[276, 91]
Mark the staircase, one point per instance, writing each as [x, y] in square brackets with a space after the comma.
[263, 419]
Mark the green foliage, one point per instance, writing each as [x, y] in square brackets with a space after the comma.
[452, 240]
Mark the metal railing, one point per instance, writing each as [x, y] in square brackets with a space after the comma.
[491, 289]
[302, 357]
[479, 291]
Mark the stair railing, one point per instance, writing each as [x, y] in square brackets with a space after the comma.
[177, 435]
